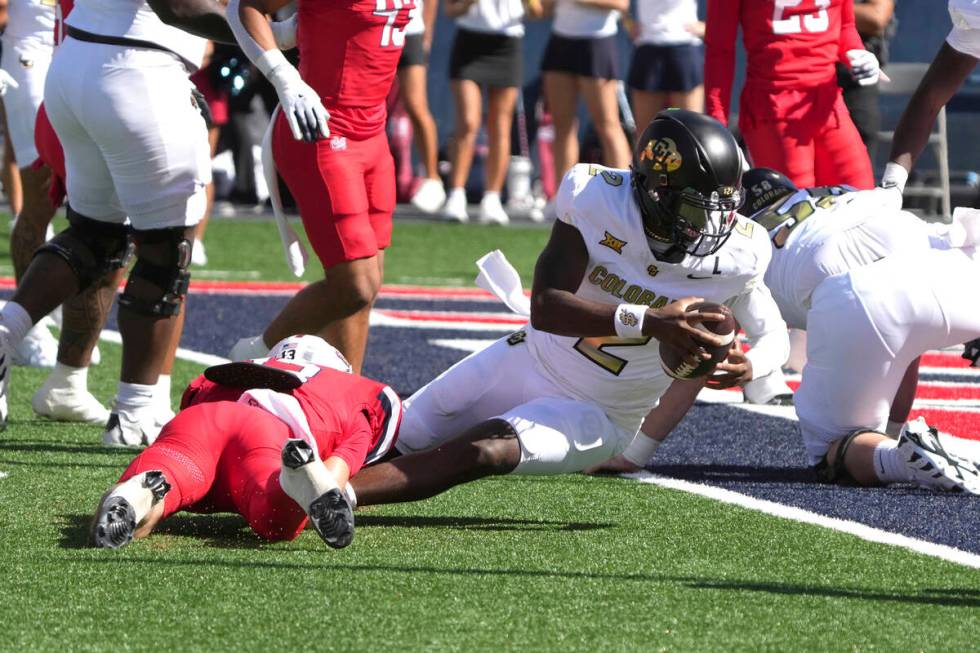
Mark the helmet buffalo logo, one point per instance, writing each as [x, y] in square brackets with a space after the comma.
[663, 153]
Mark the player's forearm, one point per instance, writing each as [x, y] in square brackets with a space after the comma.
[204, 18]
[251, 27]
[942, 80]
[672, 408]
[564, 314]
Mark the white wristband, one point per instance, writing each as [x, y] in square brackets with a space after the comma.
[628, 320]
[641, 449]
[895, 175]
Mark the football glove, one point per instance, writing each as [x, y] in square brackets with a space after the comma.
[864, 66]
[301, 104]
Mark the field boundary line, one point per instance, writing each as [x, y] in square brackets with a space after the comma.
[792, 513]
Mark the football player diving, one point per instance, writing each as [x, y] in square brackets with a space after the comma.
[875, 287]
[583, 383]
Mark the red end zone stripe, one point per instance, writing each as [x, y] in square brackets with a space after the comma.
[433, 316]
[961, 423]
[926, 390]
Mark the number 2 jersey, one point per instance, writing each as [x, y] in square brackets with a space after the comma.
[345, 411]
[820, 232]
[625, 376]
[348, 53]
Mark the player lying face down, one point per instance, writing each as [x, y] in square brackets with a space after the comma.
[874, 287]
[274, 440]
[630, 254]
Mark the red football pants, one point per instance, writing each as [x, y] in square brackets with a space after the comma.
[345, 191]
[225, 457]
[806, 134]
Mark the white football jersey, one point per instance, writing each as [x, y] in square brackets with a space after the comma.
[965, 35]
[822, 232]
[136, 20]
[30, 22]
[624, 375]
[416, 25]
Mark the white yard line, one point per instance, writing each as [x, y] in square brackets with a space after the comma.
[782, 511]
[805, 516]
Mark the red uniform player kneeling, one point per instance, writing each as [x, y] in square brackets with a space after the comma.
[274, 440]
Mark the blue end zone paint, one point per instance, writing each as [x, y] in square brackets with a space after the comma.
[745, 452]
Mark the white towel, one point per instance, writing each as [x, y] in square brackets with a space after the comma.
[498, 277]
[296, 254]
[286, 408]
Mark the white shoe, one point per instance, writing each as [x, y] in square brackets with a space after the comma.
[550, 211]
[934, 466]
[39, 348]
[430, 196]
[305, 479]
[163, 413]
[66, 404]
[96, 357]
[128, 430]
[5, 359]
[199, 256]
[121, 511]
[455, 207]
[248, 348]
[492, 211]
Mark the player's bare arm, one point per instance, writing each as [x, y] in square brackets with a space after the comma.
[205, 18]
[945, 76]
[556, 308]
[656, 427]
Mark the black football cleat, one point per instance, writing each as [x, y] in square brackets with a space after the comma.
[114, 525]
[971, 352]
[333, 518]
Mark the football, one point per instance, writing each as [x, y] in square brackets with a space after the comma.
[680, 366]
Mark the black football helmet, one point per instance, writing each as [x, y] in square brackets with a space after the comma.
[764, 187]
[687, 172]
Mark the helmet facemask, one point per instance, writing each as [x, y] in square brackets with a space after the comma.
[697, 224]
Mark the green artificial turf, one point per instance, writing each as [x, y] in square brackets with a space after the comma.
[559, 564]
[538, 564]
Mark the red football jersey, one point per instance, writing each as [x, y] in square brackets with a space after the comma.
[348, 52]
[789, 44]
[339, 407]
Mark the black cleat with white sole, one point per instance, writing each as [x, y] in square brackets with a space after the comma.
[333, 518]
[114, 525]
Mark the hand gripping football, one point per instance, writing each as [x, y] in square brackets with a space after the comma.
[681, 366]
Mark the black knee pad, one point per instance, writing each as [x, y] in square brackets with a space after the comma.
[90, 247]
[171, 278]
[837, 473]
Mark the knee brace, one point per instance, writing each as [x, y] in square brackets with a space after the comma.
[836, 473]
[172, 277]
[90, 247]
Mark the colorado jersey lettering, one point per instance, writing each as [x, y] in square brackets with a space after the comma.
[622, 375]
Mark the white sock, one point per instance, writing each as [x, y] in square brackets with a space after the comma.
[889, 465]
[133, 397]
[162, 390]
[307, 483]
[456, 193]
[72, 378]
[138, 496]
[491, 195]
[351, 495]
[15, 321]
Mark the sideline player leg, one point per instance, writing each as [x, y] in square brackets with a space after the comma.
[430, 195]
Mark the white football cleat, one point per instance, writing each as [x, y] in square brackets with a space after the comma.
[133, 431]
[249, 348]
[430, 195]
[39, 348]
[492, 211]
[68, 404]
[933, 465]
[455, 207]
[5, 363]
[121, 510]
